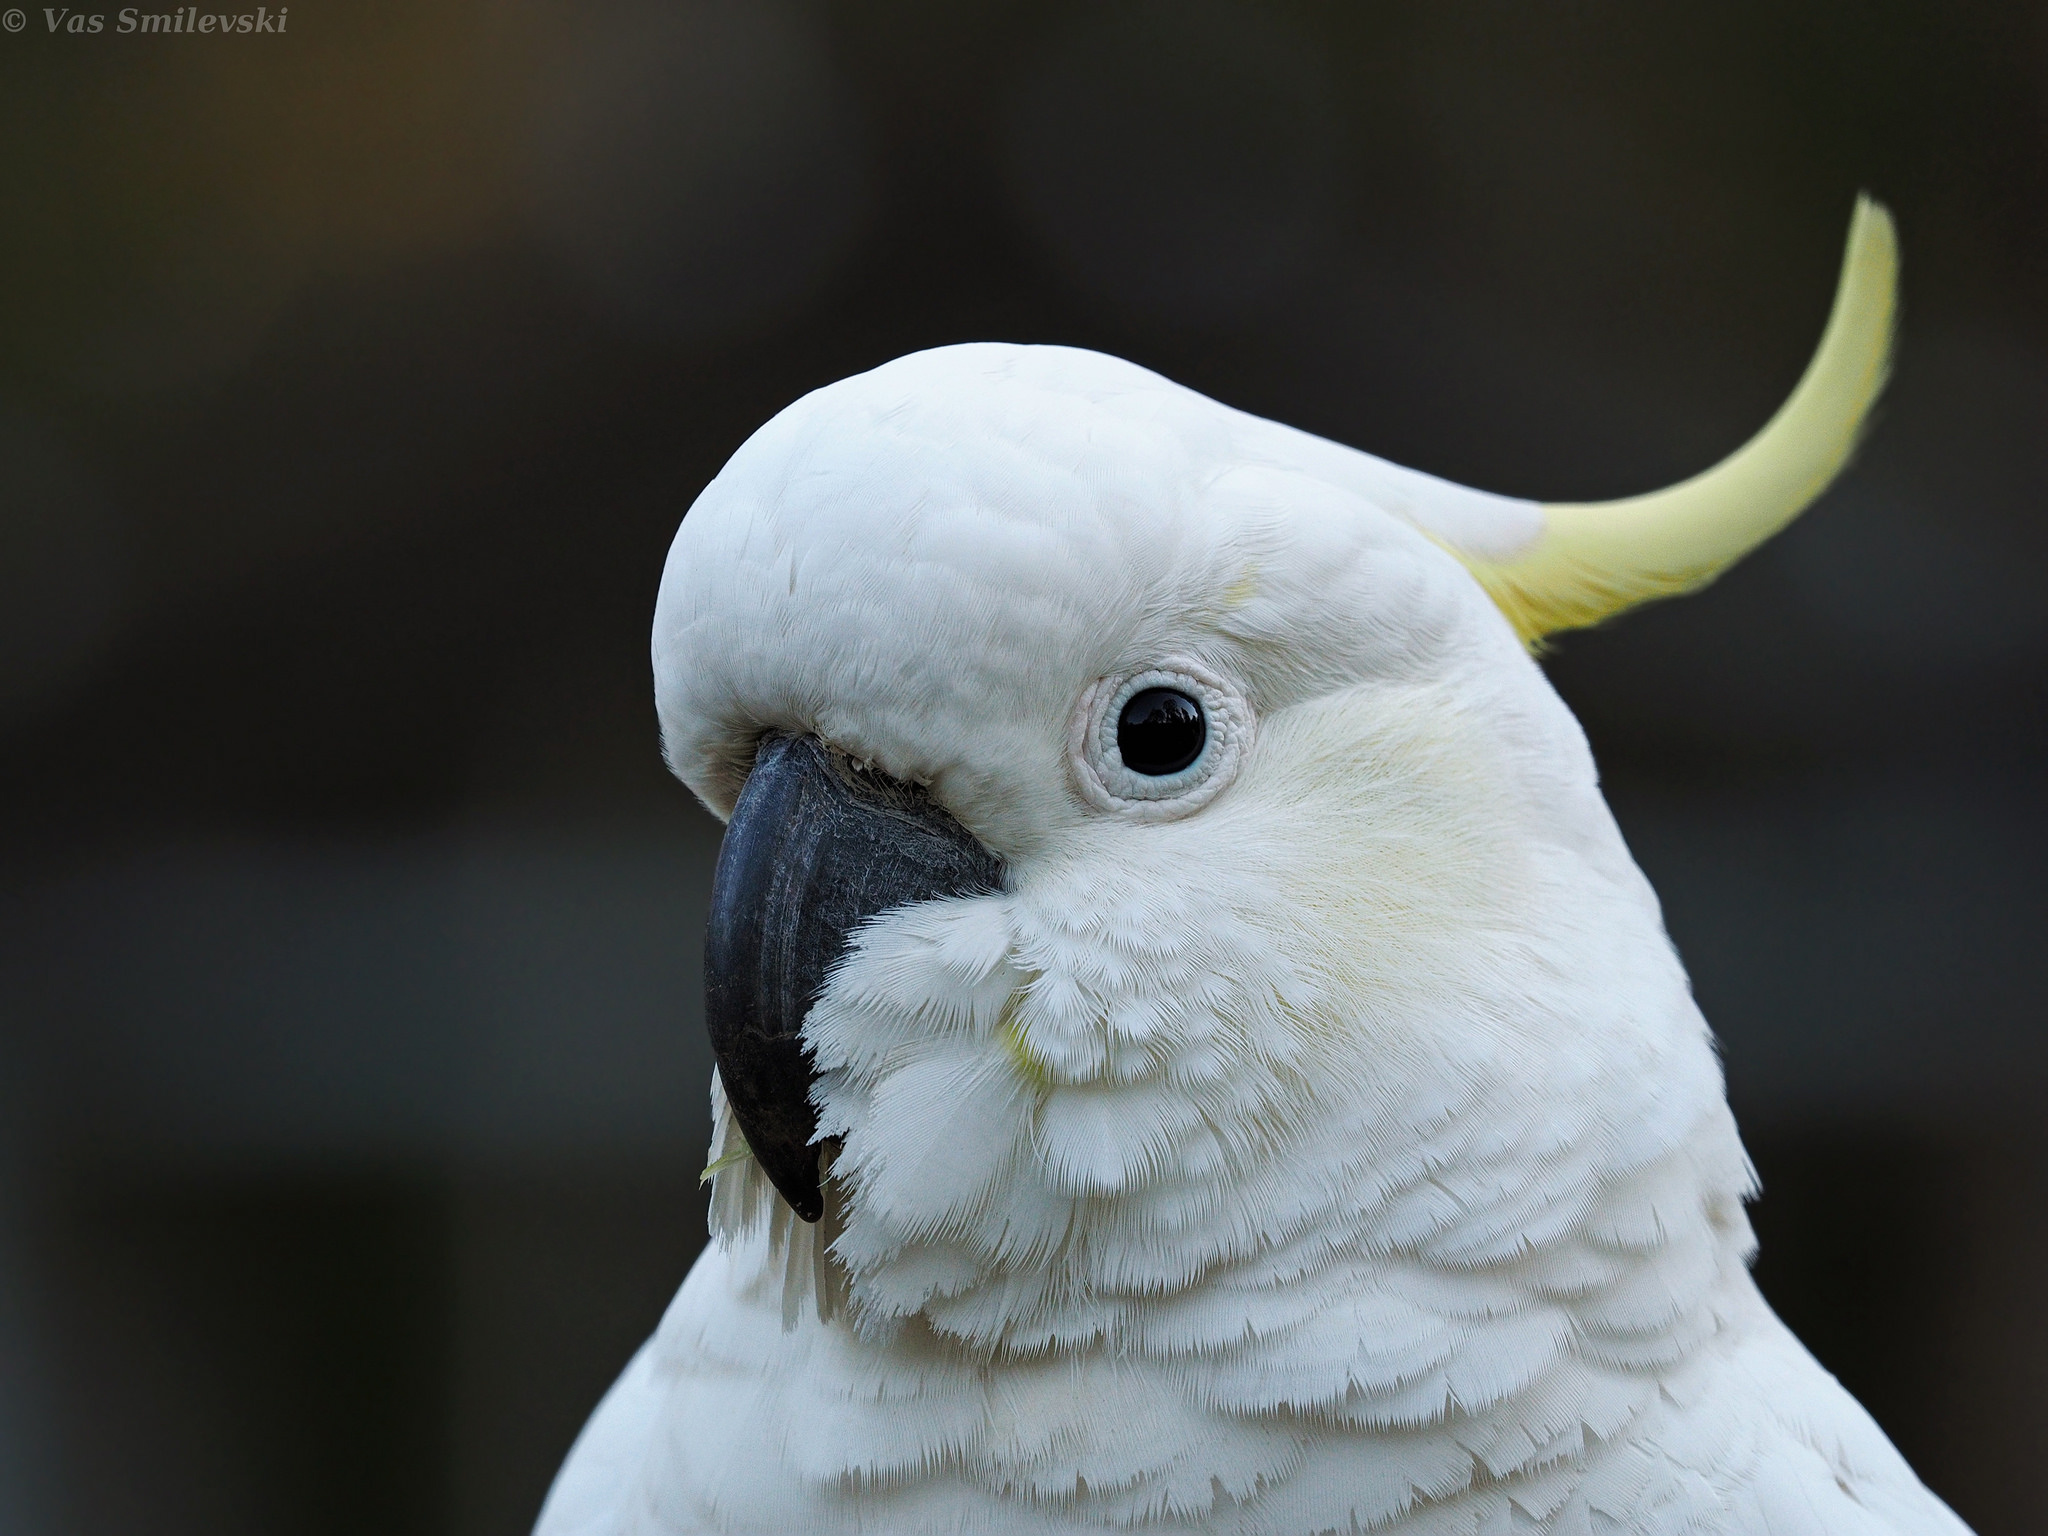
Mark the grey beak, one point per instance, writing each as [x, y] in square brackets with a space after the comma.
[815, 847]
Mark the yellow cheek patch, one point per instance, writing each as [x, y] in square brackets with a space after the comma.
[1032, 1067]
[1242, 590]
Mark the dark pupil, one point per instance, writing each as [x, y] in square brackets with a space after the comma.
[1160, 732]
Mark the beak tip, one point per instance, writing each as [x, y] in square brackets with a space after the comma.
[794, 1173]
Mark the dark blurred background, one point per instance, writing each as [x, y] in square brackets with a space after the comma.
[353, 381]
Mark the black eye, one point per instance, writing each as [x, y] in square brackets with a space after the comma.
[1160, 731]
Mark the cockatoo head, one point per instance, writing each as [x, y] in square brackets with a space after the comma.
[1148, 832]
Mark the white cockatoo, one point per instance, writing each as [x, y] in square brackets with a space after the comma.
[1195, 1053]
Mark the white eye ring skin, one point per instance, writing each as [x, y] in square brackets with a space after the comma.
[1098, 766]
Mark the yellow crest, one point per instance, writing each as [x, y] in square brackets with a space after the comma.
[1590, 561]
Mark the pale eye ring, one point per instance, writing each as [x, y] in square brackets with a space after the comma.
[1159, 744]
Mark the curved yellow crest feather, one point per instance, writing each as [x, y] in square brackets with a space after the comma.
[1592, 560]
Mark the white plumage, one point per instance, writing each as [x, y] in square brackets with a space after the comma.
[1342, 1152]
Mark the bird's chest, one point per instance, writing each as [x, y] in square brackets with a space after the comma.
[1346, 1414]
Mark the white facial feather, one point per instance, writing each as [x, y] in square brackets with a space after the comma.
[1345, 1153]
